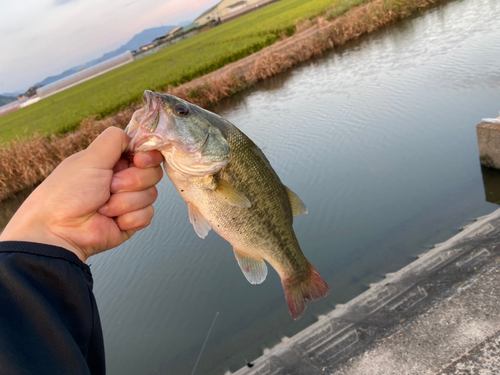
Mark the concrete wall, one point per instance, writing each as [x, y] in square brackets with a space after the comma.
[488, 139]
[252, 5]
[222, 12]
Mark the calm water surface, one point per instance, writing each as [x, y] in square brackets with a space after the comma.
[377, 138]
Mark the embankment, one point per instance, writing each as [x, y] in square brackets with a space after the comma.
[25, 164]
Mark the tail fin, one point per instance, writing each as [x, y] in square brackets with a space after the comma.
[312, 287]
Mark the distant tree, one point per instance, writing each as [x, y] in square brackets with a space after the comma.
[6, 99]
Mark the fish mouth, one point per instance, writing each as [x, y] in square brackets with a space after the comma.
[144, 126]
[153, 127]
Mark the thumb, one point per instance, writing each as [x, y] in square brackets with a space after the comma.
[107, 148]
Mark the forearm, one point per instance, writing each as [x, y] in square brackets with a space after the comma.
[48, 316]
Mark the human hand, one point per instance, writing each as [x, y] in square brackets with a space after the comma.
[93, 201]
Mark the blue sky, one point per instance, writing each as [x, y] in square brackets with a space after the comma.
[40, 38]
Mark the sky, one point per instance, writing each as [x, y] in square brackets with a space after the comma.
[40, 38]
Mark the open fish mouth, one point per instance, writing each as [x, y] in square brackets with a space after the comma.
[147, 124]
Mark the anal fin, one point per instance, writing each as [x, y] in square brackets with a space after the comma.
[201, 225]
[254, 269]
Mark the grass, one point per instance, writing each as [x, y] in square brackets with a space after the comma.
[109, 93]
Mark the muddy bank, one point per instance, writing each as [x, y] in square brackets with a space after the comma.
[23, 165]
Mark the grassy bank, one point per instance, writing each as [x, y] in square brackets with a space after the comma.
[23, 164]
[180, 63]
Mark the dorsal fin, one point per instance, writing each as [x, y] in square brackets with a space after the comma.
[254, 269]
[298, 207]
[233, 196]
[201, 225]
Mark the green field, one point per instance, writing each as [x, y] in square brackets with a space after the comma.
[194, 57]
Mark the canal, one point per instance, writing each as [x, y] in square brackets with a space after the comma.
[377, 138]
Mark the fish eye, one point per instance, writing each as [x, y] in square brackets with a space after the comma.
[181, 110]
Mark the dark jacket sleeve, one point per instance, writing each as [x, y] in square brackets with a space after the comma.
[49, 323]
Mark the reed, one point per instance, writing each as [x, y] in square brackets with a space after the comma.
[25, 164]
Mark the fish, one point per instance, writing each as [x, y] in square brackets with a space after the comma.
[229, 186]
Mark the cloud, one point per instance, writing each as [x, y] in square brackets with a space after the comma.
[62, 2]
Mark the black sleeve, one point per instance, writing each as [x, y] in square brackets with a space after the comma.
[49, 323]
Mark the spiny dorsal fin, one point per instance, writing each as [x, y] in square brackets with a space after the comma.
[254, 269]
[298, 207]
[201, 225]
[233, 196]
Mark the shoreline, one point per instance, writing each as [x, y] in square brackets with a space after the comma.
[26, 164]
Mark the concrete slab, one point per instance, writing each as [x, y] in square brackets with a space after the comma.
[434, 315]
[484, 358]
[488, 139]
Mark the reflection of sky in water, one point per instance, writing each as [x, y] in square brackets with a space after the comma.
[378, 139]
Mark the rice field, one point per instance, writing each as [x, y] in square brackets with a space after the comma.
[109, 93]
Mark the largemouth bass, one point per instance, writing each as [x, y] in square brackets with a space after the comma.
[230, 187]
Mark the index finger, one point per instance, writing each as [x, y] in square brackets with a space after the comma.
[136, 179]
[148, 159]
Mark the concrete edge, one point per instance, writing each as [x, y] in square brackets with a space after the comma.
[336, 336]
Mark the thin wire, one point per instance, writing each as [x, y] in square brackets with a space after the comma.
[205, 343]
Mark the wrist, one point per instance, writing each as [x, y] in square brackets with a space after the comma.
[28, 225]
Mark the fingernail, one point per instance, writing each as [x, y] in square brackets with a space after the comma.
[147, 160]
[116, 184]
[104, 209]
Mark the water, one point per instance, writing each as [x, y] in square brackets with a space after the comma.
[377, 138]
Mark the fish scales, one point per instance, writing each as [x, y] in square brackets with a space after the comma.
[229, 186]
[270, 205]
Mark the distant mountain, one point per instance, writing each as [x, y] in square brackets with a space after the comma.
[141, 39]
[138, 40]
[6, 99]
[13, 94]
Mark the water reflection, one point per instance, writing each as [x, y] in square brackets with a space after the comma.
[491, 181]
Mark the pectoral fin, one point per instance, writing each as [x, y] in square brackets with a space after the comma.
[233, 196]
[254, 269]
[298, 207]
[201, 225]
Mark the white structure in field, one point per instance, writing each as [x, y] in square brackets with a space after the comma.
[84, 75]
[228, 9]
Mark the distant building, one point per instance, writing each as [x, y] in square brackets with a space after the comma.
[174, 32]
[229, 9]
[237, 6]
[208, 16]
[147, 46]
